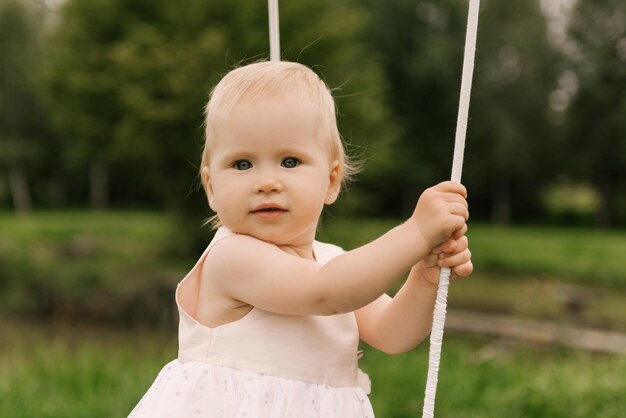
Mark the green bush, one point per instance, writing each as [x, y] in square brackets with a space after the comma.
[98, 265]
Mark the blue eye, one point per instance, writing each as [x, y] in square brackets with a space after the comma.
[290, 162]
[242, 165]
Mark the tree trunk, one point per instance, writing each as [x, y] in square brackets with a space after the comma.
[99, 184]
[20, 193]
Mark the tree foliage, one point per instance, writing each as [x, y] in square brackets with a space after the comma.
[596, 124]
[124, 83]
[421, 44]
[130, 80]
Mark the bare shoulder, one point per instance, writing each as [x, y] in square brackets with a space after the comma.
[216, 303]
[237, 259]
[238, 250]
[245, 271]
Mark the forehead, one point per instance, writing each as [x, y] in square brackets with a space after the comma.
[270, 121]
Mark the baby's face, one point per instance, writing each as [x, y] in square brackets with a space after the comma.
[270, 172]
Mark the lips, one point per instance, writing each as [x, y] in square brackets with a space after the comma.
[269, 211]
[268, 208]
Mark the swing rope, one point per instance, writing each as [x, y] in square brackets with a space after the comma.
[439, 314]
[272, 8]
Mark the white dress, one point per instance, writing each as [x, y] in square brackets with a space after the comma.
[265, 365]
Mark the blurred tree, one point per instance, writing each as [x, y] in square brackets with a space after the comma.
[511, 134]
[21, 118]
[421, 47]
[82, 90]
[128, 82]
[595, 53]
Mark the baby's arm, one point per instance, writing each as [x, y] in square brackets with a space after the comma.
[261, 275]
[398, 325]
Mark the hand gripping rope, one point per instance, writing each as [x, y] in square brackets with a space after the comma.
[439, 315]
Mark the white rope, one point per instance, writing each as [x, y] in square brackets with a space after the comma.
[439, 314]
[272, 8]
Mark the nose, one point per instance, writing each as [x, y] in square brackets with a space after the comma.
[268, 183]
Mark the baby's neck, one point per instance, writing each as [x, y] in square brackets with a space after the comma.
[303, 251]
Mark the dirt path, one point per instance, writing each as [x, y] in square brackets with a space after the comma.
[537, 332]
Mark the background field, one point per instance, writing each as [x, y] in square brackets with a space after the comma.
[93, 356]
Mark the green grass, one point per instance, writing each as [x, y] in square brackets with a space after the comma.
[81, 372]
[66, 372]
[480, 379]
[589, 257]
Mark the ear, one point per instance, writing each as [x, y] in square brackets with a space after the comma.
[334, 183]
[206, 182]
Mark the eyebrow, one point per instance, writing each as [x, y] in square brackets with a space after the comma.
[234, 155]
[293, 150]
[244, 153]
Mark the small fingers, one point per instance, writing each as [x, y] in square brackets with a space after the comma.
[451, 246]
[461, 211]
[452, 187]
[463, 270]
[455, 260]
[456, 205]
[455, 222]
[446, 247]
[462, 243]
[459, 232]
[456, 198]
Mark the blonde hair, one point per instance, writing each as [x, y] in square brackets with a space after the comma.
[260, 79]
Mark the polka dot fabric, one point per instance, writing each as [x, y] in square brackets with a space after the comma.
[195, 389]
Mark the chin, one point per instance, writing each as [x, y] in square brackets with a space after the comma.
[269, 236]
[263, 234]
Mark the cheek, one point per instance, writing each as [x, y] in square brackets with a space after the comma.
[314, 193]
[226, 196]
[313, 184]
[222, 183]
